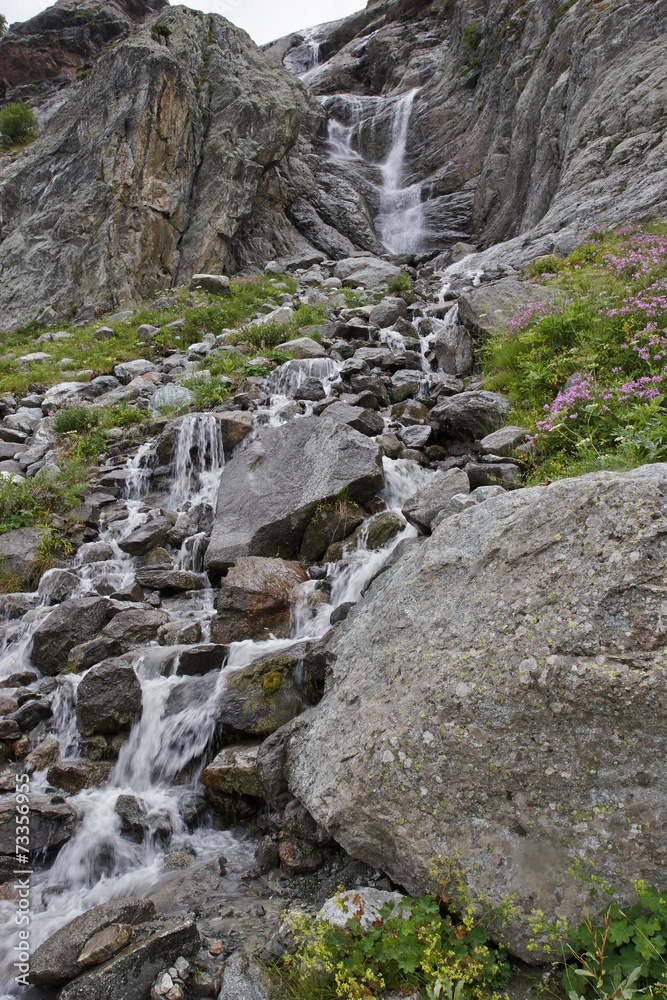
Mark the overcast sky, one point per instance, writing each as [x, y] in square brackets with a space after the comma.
[264, 20]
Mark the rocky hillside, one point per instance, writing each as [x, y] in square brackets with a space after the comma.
[333, 466]
[435, 122]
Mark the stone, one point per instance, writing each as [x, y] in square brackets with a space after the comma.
[489, 308]
[74, 775]
[243, 979]
[340, 613]
[530, 696]
[36, 358]
[469, 415]
[7, 704]
[424, 506]
[70, 624]
[363, 905]
[367, 422]
[201, 659]
[302, 347]
[57, 585]
[499, 473]
[504, 441]
[133, 815]
[128, 370]
[256, 597]
[233, 771]
[175, 633]
[331, 523]
[86, 654]
[369, 272]
[171, 396]
[150, 535]
[16, 605]
[310, 389]
[31, 713]
[415, 436]
[169, 581]
[299, 856]
[18, 549]
[130, 592]
[45, 754]
[386, 313]
[404, 384]
[147, 332]
[215, 284]
[390, 445]
[52, 823]
[108, 698]
[454, 351]
[105, 944]
[410, 413]
[135, 626]
[381, 529]
[270, 492]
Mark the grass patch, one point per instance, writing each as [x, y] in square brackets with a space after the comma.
[588, 374]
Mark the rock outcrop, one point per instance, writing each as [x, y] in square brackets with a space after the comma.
[499, 697]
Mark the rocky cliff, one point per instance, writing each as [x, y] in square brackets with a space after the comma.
[171, 145]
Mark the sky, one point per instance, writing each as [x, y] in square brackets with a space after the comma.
[264, 20]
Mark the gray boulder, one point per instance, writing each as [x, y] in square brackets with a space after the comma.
[386, 313]
[216, 284]
[368, 271]
[453, 349]
[243, 979]
[256, 598]
[233, 771]
[490, 307]
[128, 370]
[73, 775]
[108, 698]
[51, 823]
[270, 492]
[148, 535]
[136, 626]
[533, 628]
[19, 548]
[365, 421]
[505, 474]
[505, 441]
[69, 624]
[424, 506]
[470, 415]
[302, 347]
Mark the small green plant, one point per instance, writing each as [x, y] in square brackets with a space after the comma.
[402, 283]
[625, 954]
[3, 24]
[471, 36]
[18, 123]
[409, 946]
[75, 418]
[160, 31]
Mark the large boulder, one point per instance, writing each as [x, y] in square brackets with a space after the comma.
[232, 427]
[368, 271]
[55, 961]
[149, 535]
[129, 974]
[69, 624]
[470, 415]
[255, 598]
[233, 771]
[108, 698]
[270, 492]
[18, 549]
[52, 823]
[424, 506]
[489, 308]
[529, 631]
[136, 626]
[74, 775]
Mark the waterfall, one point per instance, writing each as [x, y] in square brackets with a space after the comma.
[358, 126]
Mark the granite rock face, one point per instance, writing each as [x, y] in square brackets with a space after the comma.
[529, 632]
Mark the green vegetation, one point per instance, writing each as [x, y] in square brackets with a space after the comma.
[588, 372]
[471, 36]
[3, 24]
[414, 946]
[160, 31]
[400, 285]
[18, 124]
[625, 955]
[32, 501]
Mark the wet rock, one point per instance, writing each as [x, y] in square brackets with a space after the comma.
[216, 284]
[233, 771]
[105, 944]
[505, 441]
[410, 413]
[267, 856]
[56, 961]
[87, 654]
[470, 415]
[256, 596]
[498, 473]
[7, 704]
[490, 307]
[370, 272]
[303, 347]
[414, 437]
[108, 698]
[454, 351]
[178, 632]
[340, 613]
[243, 979]
[404, 384]
[189, 889]
[133, 815]
[372, 384]
[381, 528]
[390, 445]
[19, 549]
[74, 775]
[52, 823]
[198, 518]
[57, 585]
[587, 681]
[233, 427]
[169, 581]
[331, 524]
[201, 659]
[16, 605]
[297, 822]
[270, 492]
[31, 713]
[368, 422]
[134, 627]
[310, 389]
[424, 506]
[386, 313]
[299, 856]
[130, 592]
[147, 536]
[68, 625]
[96, 552]
[176, 860]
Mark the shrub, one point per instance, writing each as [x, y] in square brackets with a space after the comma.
[18, 123]
[471, 36]
[76, 418]
[403, 283]
[160, 31]
[411, 946]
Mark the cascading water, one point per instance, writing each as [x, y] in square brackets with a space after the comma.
[401, 219]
